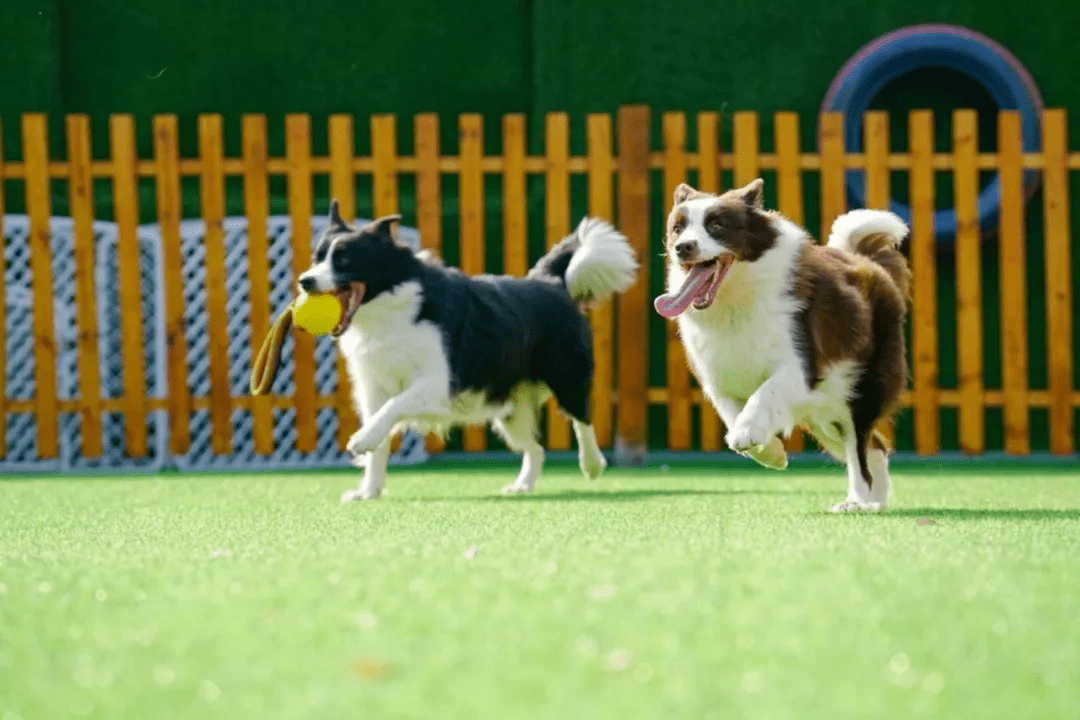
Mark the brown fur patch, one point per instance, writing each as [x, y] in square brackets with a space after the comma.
[880, 249]
[853, 309]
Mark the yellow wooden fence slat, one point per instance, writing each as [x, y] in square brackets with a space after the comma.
[3, 318]
[678, 371]
[384, 174]
[747, 142]
[341, 136]
[708, 133]
[1059, 350]
[1012, 263]
[876, 145]
[969, 325]
[212, 207]
[789, 194]
[428, 204]
[515, 226]
[298, 154]
[833, 201]
[81, 198]
[601, 205]
[39, 207]
[924, 334]
[634, 305]
[169, 212]
[557, 226]
[428, 181]
[471, 202]
[257, 209]
[126, 214]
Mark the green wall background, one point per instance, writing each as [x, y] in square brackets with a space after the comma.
[530, 56]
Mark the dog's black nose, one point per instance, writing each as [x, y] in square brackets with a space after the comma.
[686, 250]
[307, 284]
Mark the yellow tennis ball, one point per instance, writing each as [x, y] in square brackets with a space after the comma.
[317, 314]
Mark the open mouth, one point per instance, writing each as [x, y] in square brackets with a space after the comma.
[698, 289]
[350, 296]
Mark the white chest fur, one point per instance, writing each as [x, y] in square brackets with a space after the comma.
[746, 334]
[386, 350]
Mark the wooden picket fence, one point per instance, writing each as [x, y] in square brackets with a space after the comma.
[621, 399]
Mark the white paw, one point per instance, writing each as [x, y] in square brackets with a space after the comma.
[748, 433]
[592, 467]
[517, 488]
[363, 493]
[853, 506]
[772, 455]
[362, 442]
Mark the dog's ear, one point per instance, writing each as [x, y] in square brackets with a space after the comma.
[336, 223]
[752, 194]
[387, 226]
[682, 193]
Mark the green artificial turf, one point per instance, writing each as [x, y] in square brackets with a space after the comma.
[701, 592]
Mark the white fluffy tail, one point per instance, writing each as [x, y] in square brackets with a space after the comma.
[852, 227]
[602, 264]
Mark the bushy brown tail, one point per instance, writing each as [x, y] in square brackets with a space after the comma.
[877, 235]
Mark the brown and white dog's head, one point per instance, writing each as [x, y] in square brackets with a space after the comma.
[706, 235]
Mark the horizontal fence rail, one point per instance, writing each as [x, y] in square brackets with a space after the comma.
[624, 173]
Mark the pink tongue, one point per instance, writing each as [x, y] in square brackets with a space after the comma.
[670, 305]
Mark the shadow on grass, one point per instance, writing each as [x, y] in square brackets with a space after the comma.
[988, 513]
[621, 495]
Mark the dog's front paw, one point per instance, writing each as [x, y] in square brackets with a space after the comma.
[361, 442]
[748, 433]
[592, 465]
[363, 493]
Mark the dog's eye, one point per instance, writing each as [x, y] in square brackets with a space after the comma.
[717, 224]
[337, 261]
[678, 227]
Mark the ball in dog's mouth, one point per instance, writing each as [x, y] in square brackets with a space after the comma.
[350, 296]
[698, 289]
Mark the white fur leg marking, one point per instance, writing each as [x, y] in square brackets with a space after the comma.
[772, 455]
[878, 462]
[590, 458]
[519, 430]
[421, 398]
[858, 497]
[531, 465]
[768, 412]
[728, 409]
[374, 481]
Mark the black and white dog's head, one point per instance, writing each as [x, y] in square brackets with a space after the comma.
[357, 263]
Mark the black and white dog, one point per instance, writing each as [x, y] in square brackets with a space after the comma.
[429, 347]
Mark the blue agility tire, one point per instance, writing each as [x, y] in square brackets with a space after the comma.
[943, 46]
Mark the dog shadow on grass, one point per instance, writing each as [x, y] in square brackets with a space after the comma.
[629, 495]
[987, 513]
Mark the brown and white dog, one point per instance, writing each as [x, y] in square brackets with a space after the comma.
[783, 332]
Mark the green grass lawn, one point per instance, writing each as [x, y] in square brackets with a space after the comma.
[702, 592]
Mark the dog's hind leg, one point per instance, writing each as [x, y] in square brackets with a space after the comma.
[590, 458]
[374, 481]
[519, 431]
[860, 479]
[877, 460]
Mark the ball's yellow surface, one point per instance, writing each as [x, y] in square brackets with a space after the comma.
[317, 314]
